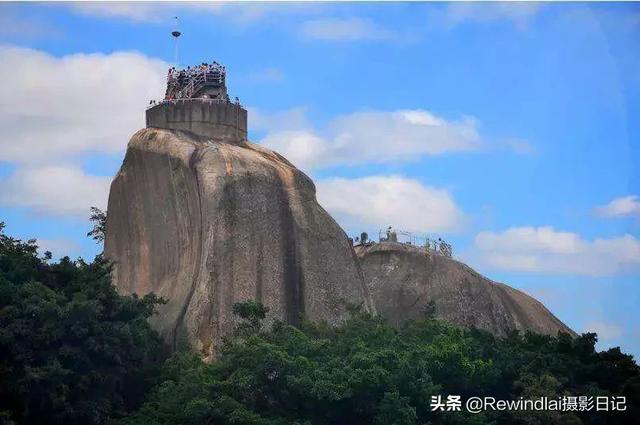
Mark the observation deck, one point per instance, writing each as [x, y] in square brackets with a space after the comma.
[196, 100]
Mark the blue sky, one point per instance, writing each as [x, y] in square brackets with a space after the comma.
[511, 130]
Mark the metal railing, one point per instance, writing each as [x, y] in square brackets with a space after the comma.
[191, 99]
[437, 246]
[197, 81]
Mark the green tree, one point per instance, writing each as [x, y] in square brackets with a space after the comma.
[99, 220]
[72, 350]
[252, 313]
[368, 372]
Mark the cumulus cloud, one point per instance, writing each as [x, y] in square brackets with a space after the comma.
[57, 190]
[388, 200]
[57, 247]
[345, 29]
[288, 120]
[519, 13]
[606, 331]
[135, 11]
[375, 137]
[267, 75]
[521, 147]
[246, 13]
[625, 206]
[13, 25]
[55, 107]
[546, 250]
[240, 13]
[303, 148]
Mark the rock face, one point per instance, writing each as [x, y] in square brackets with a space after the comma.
[402, 280]
[205, 224]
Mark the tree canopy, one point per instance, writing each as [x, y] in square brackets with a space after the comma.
[368, 372]
[72, 350]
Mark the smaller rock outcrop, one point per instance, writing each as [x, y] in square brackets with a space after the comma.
[403, 280]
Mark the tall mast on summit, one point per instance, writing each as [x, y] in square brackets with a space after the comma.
[176, 35]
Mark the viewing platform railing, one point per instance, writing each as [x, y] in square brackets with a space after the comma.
[430, 245]
[199, 82]
[190, 84]
[190, 99]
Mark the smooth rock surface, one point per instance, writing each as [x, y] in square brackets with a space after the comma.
[403, 279]
[206, 224]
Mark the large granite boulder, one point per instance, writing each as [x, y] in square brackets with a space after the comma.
[403, 280]
[206, 224]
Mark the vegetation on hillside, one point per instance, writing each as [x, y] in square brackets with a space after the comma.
[367, 372]
[73, 351]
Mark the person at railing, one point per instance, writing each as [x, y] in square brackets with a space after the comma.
[184, 83]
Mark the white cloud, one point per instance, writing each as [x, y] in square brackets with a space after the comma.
[58, 247]
[345, 29]
[57, 190]
[605, 331]
[244, 13]
[250, 12]
[15, 26]
[294, 119]
[621, 207]
[267, 75]
[135, 11]
[521, 147]
[240, 13]
[545, 250]
[403, 133]
[55, 107]
[302, 148]
[389, 200]
[519, 13]
[375, 137]
[531, 239]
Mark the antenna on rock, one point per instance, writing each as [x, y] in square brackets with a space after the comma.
[176, 35]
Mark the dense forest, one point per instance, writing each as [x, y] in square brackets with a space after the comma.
[74, 351]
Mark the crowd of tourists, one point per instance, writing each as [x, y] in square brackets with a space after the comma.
[178, 79]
